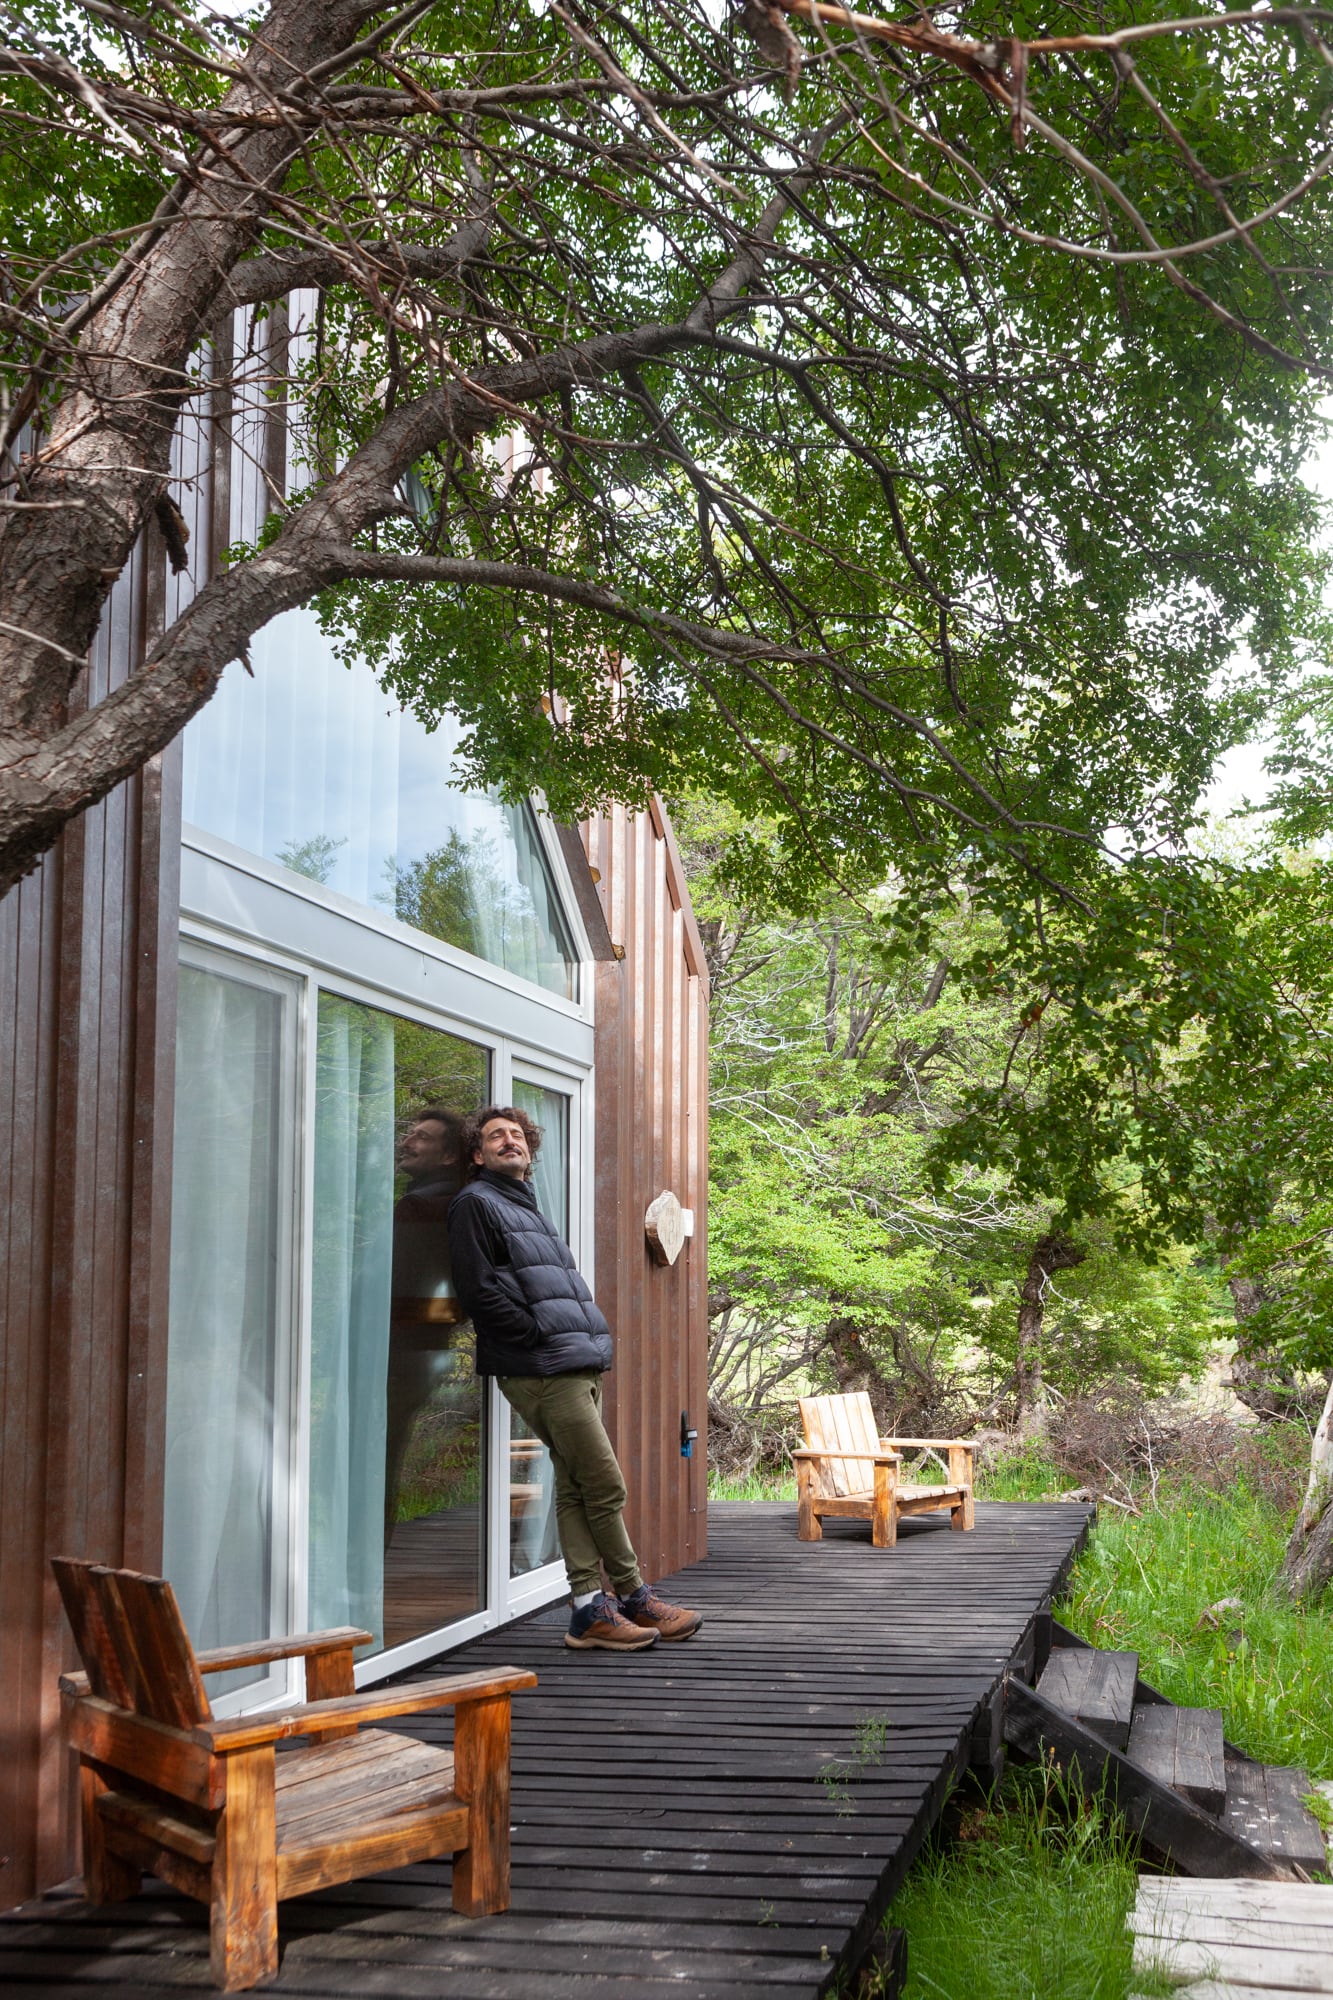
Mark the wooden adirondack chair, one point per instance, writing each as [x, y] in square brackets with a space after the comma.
[847, 1468]
[211, 1808]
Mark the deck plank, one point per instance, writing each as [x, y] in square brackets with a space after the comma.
[1230, 1939]
[720, 1820]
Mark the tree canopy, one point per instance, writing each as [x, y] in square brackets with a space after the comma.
[912, 410]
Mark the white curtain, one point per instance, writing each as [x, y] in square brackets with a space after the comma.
[223, 1338]
[353, 1222]
[550, 1174]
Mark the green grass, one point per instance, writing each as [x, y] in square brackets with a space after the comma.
[1026, 1474]
[1023, 1476]
[1028, 1902]
[1143, 1584]
[767, 1483]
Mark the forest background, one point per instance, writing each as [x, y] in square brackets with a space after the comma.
[913, 418]
[1095, 1230]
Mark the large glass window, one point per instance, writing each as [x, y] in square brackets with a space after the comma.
[397, 1416]
[231, 1295]
[312, 765]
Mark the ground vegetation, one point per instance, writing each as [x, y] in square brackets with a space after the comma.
[999, 1185]
[1027, 1891]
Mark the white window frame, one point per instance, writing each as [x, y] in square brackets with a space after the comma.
[237, 905]
[543, 1586]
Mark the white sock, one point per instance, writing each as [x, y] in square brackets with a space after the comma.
[581, 1603]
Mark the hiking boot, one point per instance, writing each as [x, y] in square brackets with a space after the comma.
[645, 1609]
[601, 1623]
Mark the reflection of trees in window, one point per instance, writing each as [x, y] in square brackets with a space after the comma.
[438, 1069]
[460, 893]
[315, 858]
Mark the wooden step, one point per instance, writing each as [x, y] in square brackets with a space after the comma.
[1263, 1805]
[1096, 1688]
[1198, 1842]
[1183, 1747]
[1235, 1939]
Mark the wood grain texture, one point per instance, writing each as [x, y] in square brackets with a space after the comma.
[244, 1830]
[135, 1743]
[107, 1876]
[1264, 1806]
[370, 1705]
[651, 1133]
[697, 1822]
[87, 969]
[1194, 1840]
[1231, 1940]
[481, 1753]
[243, 1910]
[1184, 1748]
[846, 1468]
[1096, 1688]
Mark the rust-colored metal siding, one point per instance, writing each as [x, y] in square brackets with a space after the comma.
[87, 968]
[87, 1035]
[88, 954]
[652, 1134]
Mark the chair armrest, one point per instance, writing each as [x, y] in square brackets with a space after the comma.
[302, 1645]
[154, 1752]
[313, 1718]
[221, 1659]
[937, 1444]
[881, 1457]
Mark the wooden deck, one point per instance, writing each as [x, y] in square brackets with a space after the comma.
[722, 1820]
[1235, 1940]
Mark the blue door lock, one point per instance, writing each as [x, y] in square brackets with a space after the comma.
[687, 1436]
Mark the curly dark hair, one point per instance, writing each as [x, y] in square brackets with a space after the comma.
[477, 1124]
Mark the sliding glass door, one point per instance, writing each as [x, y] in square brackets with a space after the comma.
[333, 1457]
[397, 1423]
[229, 1464]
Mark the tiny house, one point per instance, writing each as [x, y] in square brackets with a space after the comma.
[245, 1006]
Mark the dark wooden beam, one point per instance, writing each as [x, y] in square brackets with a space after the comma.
[1196, 1842]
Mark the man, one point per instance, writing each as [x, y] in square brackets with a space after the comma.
[540, 1334]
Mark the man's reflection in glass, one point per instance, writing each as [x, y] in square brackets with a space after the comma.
[424, 1314]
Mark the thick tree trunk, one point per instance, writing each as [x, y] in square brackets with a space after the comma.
[1049, 1254]
[96, 474]
[856, 1368]
[1308, 1565]
[1264, 1382]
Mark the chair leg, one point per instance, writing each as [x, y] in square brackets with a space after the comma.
[808, 1527]
[884, 1512]
[243, 1914]
[107, 1876]
[481, 1779]
[960, 1474]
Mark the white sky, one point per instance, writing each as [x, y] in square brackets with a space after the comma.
[1240, 774]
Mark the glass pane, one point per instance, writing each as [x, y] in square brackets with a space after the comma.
[397, 1524]
[225, 1322]
[532, 1534]
[312, 765]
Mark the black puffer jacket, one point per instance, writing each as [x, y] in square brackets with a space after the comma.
[516, 1277]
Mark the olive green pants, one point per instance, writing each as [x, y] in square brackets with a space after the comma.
[565, 1412]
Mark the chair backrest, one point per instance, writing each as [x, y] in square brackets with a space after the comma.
[132, 1640]
[846, 1423]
